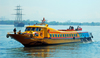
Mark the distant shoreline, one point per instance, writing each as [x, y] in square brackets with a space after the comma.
[61, 25]
[28, 22]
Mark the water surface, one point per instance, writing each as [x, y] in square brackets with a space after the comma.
[9, 48]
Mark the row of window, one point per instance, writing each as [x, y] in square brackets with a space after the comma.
[33, 29]
[84, 34]
[63, 35]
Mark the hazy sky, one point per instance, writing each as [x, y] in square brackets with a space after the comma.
[53, 10]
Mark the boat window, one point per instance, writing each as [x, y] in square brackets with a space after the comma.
[55, 35]
[50, 35]
[83, 35]
[65, 35]
[80, 34]
[33, 29]
[37, 29]
[60, 35]
[69, 35]
[27, 29]
[87, 34]
[72, 35]
[76, 35]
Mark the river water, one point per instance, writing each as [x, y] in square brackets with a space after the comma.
[9, 48]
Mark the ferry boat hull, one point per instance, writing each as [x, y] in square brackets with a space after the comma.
[44, 35]
[31, 42]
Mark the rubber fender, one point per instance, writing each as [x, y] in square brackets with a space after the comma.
[31, 35]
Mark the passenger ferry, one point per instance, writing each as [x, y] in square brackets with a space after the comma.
[37, 35]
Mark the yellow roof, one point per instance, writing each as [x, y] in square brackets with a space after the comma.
[36, 26]
[46, 25]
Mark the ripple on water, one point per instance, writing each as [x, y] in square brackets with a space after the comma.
[10, 48]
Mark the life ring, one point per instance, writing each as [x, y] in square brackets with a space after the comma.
[35, 33]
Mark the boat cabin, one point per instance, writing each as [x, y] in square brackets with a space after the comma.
[47, 32]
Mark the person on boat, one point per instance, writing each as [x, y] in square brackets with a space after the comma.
[78, 28]
[72, 27]
[43, 21]
[19, 32]
[69, 27]
[14, 30]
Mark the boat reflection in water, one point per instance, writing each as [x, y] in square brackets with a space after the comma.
[51, 51]
[55, 51]
[39, 51]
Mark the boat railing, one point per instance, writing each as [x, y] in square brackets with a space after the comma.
[13, 32]
[10, 32]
